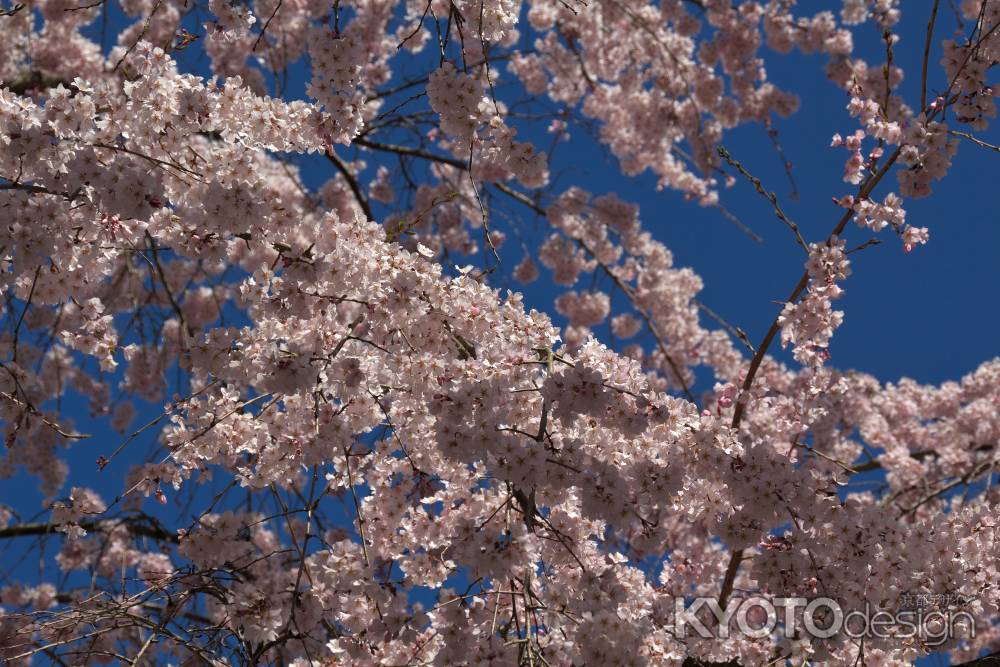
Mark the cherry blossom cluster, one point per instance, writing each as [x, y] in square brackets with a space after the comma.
[656, 86]
[387, 460]
[967, 62]
[234, 19]
[854, 167]
[877, 216]
[337, 65]
[458, 99]
[605, 235]
[380, 189]
[81, 502]
[494, 21]
[809, 324]
[928, 152]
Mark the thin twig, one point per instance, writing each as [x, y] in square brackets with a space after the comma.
[357, 507]
[731, 217]
[166, 286]
[145, 28]
[975, 140]
[927, 54]
[735, 332]
[770, 196]
[264, 29]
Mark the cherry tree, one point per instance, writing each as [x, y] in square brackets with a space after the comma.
[338, 447]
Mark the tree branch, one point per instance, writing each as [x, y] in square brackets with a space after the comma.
[352, 182]
[150, 530]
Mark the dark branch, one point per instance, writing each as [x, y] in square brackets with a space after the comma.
[139, 526]
[352, 182]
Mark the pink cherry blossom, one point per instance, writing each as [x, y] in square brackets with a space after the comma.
[344, 439]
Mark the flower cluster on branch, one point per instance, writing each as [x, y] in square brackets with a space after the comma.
[363, 454]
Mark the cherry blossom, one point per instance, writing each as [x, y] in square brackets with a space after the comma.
[341, 436]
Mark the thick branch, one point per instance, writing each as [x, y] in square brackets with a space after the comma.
[33, 80]
[412, 152]
[352, 182]
[134, 526]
